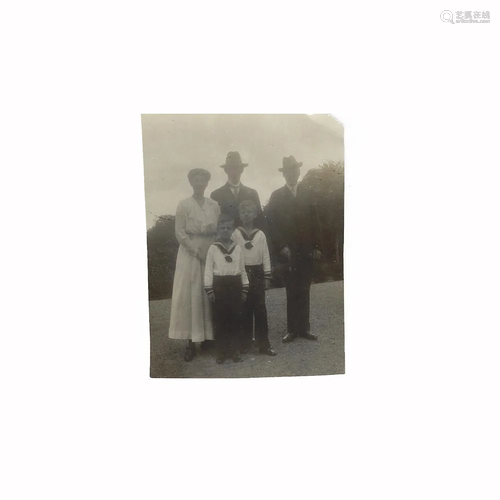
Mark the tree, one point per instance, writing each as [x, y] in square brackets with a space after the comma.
[327, 184]
[162, 255]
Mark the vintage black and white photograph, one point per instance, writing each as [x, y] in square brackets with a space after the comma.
[245, 226]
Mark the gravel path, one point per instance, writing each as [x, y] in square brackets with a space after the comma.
[301, 357]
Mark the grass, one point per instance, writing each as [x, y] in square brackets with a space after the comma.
[301, 357]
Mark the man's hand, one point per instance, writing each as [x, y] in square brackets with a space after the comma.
[243, 296]
[317, 254]
[267, 283]
[211, 297]
[286, 253]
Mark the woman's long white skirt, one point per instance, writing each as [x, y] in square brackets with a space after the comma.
[191, 314]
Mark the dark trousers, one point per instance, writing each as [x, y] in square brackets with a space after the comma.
[255, 310]
[227, 313]
[298, 284]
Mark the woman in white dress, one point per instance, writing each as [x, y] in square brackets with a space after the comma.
[195, 228]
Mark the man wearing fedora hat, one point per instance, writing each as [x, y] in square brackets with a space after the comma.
[234, 192]
[295, 235]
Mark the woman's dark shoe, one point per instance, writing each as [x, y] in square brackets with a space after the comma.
[190, 353]
[268, 351]
[221, 358]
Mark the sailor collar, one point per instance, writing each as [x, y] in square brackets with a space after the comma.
[248, 238]
[226, 252]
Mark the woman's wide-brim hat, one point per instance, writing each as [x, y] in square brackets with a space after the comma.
[290, 162]
[233, 159]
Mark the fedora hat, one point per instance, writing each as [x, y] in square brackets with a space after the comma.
[233, 159]
[290, 162]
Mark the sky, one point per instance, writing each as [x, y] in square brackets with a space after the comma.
[174, 144]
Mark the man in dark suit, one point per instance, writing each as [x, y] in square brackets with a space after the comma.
[295, 235]
[234, 192]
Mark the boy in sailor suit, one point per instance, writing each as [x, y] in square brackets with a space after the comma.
[258, 267]
[226, 284]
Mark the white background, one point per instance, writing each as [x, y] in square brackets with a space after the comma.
[415, 416]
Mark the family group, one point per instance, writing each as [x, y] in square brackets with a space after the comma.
[223, 265]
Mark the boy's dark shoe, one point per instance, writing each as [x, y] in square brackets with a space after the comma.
[268, 351]
[206, 345]
[221, 358]
[246, 347]
[237, 358]
[289, 337]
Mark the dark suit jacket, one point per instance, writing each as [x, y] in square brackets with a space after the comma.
[229, 204]
[293, 221]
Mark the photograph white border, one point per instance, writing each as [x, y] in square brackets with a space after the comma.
[415, 415]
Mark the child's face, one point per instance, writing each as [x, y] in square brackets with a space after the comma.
[247, 214]
[225, 230]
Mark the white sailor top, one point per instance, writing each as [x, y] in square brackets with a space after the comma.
[224, 262]
[255, 249]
